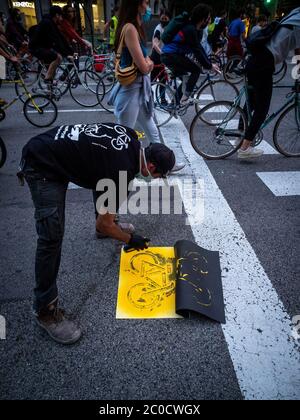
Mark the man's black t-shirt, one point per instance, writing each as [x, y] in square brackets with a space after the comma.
[84, 153]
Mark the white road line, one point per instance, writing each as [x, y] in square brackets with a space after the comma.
[258, 330]
[205, 97]
[72, 186]
[267, 148]
[73, 110]
[281, 183]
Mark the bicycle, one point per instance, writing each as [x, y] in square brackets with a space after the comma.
[235, 67]
[3, 152]
[38, 109]
[158, 274]
[80, 83]
[167, 95]
[218, 130]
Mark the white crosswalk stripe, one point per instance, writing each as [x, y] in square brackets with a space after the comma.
[281, 183]
[258, 331]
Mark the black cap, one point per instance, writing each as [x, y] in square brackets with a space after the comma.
[161, 156]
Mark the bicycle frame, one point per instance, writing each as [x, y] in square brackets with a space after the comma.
[21, 82]
[294, 98]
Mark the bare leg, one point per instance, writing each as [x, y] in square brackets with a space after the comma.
[52, 68]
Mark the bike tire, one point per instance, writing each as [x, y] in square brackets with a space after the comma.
[47, 107]
[212, 89]
[202, 133]
[294, 113]
[229, 75]
[164, 103]
[3, 152]
[83, 88]
[61, 85]
[280, 74]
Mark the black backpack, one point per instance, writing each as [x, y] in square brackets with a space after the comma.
[259, 39]
[175, 25]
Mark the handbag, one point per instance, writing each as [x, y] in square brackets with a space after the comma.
[126, 75]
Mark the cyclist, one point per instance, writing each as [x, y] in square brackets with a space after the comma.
[48, 44]
[85, 155]
[185, 53]
[16, 34]
[157, 42]
[218, 37]
[157, 45]
[259, 70]
[236, 33]
[66, 27]
[262, 22]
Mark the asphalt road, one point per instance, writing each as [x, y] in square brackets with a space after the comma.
[139, 359]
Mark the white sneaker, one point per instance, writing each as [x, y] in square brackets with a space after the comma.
[250, 153]
[177, 167]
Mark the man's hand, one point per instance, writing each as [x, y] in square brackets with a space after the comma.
[216, 68]
[14, 59]
[150, 63]
[138, 242]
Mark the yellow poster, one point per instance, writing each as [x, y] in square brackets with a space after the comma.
[147, 284]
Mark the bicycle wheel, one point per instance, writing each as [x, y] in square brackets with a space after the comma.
[286, 135]
[40, 111]
[234, 70]
[217, 131]
[61, 81]
[103, 97]
[280, 72]
[83, 88]
[214, 91]
[109, 80]
[164, 103]
[3, 153]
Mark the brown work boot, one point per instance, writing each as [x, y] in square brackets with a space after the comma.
[59, 328]
[126, 227]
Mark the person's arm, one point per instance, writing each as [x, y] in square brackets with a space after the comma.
[145, 65]
[192, 40]
[8, 56]
[156, 42]
[243, 31]
[106, 224]
[106, 26]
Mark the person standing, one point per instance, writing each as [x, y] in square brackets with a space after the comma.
[112, 25]
[133, 103]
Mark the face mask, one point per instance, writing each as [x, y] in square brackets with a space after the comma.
[164, 23]
[149, 177]
[147, 16]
